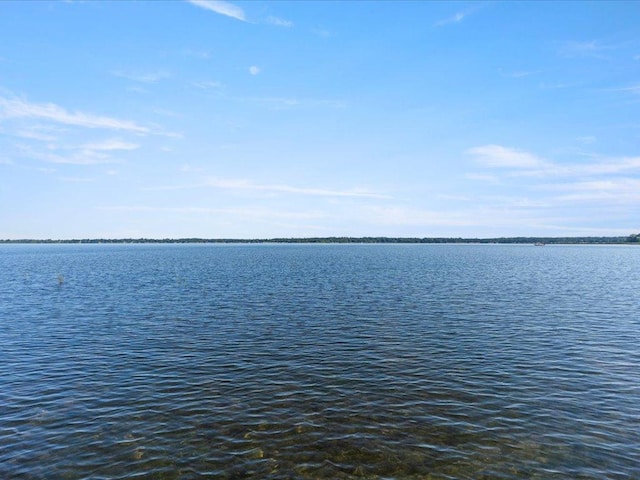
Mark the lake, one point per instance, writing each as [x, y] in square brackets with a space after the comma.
[319, 361]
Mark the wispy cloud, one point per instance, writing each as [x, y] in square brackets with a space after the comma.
[321, 32]
[519, 73]
[603, 166]
[35, 134]
[522, 164]
[482, 177]
[606, 191]
[223, 8]
[606, 166]
[504, 157]
[247, 185]
[76, 179]
[635, 89]
[93, 153]
[203, 54]
[284, 103]
[207, 85]
[558, 85]
[456, 17]
[67, 156]
[587, 140]
[16, 108]
[586, 49]
[110, 145]
[253, 212]
[279, 22]
[243, 185]
[149, 77]
[408, 216]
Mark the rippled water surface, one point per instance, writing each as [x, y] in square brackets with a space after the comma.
[319, 361]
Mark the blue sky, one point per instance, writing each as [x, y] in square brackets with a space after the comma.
[294, 119]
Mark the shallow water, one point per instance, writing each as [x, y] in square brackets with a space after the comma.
[319, 361]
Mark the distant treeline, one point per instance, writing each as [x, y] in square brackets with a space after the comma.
[630, 239]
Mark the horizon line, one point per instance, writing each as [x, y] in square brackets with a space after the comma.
[631, 238]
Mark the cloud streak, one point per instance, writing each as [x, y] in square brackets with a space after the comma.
[78, 157]
[249, 186]
[243, 185]
[456, 18]
[16, 108]
[617, 190]
[588, 49]
[151, 77]
[86, 154]
[523, 163]
[504, 157]
[110, 145]
[279, 22]
[253, 212]
[222, 8]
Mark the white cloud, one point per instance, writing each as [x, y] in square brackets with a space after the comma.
[482, 177]
[282, 103]
[241, 184]
[34, 134]
[603, 167]
[615, 185]
[504, 157]
[249, 186]
[406, 216]
[150, 77]
[112, 144]
[585, 49]
[203, 54]
[617, 191]
[587, 140]
[254, 70]
[85, 154]
[81, 157]
[525, 164]
[207, 85]
[635, 89]
[321, 31]
[76, 179]
[279, 22]
[520, 73]
[15, 108]
[166, 113]
[220, 7]
[608, 166]
[253, 212]
[456, 17]
[557, 85]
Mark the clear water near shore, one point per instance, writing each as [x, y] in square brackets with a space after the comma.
[319, 361]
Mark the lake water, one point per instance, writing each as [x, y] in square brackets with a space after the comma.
[319, 361]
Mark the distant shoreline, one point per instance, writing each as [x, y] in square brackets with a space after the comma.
[633, 239]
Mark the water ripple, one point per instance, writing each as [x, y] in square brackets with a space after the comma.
[334, 361]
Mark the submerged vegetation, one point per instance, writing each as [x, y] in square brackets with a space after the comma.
[630, 239]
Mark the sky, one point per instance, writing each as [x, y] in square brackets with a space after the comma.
[261, 119]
